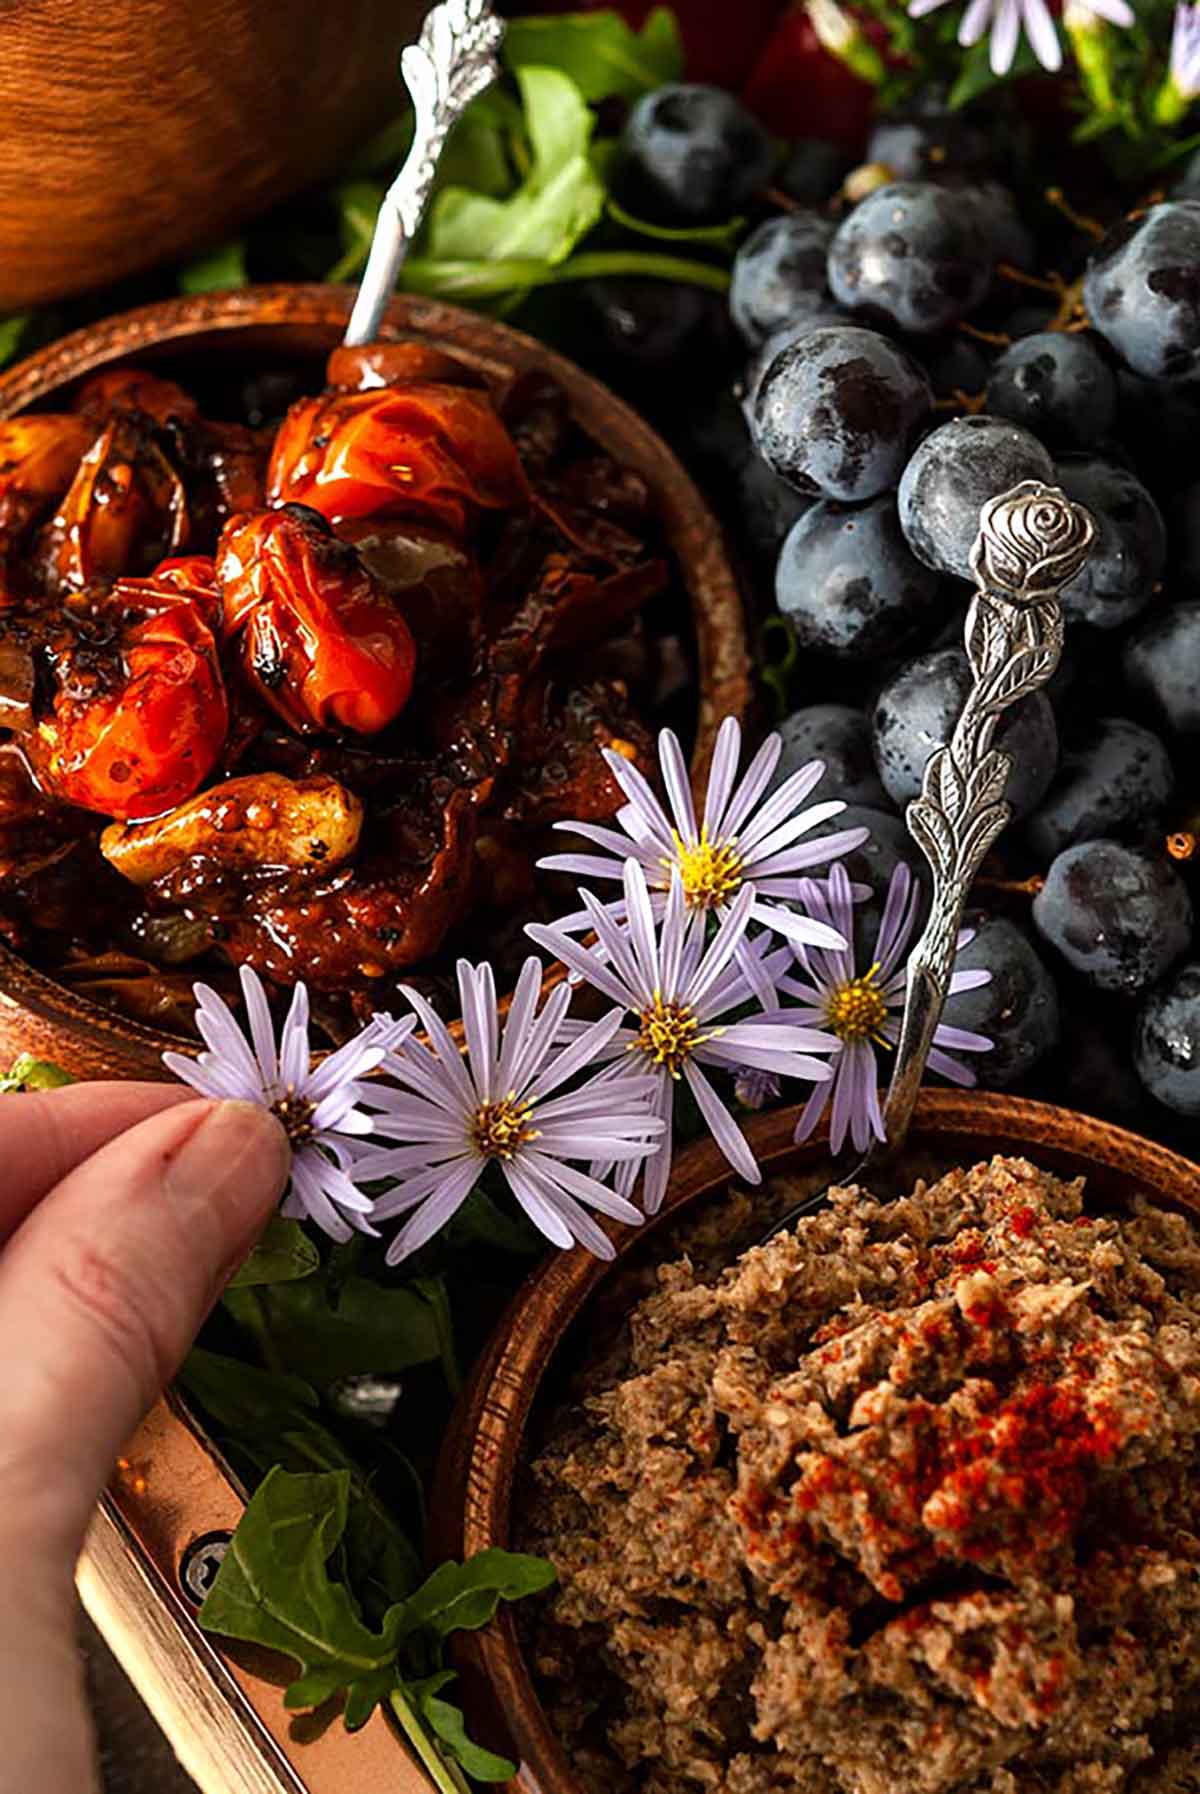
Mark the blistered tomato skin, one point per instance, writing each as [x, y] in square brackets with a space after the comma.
[423, 449]
[320, 641]
[135, 724]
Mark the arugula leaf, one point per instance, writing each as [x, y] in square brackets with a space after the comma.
[447, 1723]
[283, 1253]
[558, 202]
[976, 76]
[222, 267]
[358, 204]
[462, 1597]
[271, 1419]
[725, 236]
[274, 1589]
[28, 1073]
[599, 51]
[323, 1335]
[12, 329]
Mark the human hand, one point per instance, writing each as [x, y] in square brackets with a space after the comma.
[124, 1209]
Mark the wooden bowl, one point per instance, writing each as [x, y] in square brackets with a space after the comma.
[288, 326]
[472, 1503]
[133, 136]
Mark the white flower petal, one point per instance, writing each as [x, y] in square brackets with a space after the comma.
[721, 774]
[433, 1214]
[675, 778]
[723, 1128]
[262, 1028]
[758, 776]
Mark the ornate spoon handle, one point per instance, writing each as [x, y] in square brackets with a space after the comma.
[1032, 541]
[452, 62]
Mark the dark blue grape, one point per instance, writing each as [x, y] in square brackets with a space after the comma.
[823, 314]
[924, 142]
[1118, 915]
[1091, 1071]
[1028, 320]
[1142, 290]
[636, 327]
[1183, 536]
[836, 411]
[952, 475]
[912, 256]
[1166, 1041]
[1162, 665]
[779, 274]
[999, 218]
[1126, 560]
[887, 846]
[1114, 779]
[955, 366]
[841, 737]
[1188, 184]
[917, 709]
[848, 584]
[1018, 1010]
[1058, 386]
[813, 170]
[758, 508]
[1158, 424]
[691, 154]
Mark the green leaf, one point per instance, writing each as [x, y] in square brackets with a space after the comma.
[272, 1419]
[361, 1327]
[274, 1589]
[599, 52]
[28, 1073]
[463, 1597]
[558, 202]
[976, 76]
[12, 330]
[719, 236]
[222, 267]
[283, 1253]
[240, 1397]
[358, 204]
[447, 1723]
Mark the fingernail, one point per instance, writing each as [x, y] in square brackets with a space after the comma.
[235, 1162]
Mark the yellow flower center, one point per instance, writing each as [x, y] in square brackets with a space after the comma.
[710, 871]
[857, 1011]
[668, 1035]
[295, 1114]
[500, 1129]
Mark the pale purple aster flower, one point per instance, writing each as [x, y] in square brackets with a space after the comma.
[1084, 15]
[678, 988]
[1004, 19]
[1185, 52]
[863, 1009]
[744, 840]
[317, 1104]
[455, 1115]
[755, 1089]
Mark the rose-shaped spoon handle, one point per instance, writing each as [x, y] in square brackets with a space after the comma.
[1032, 541]
[452, 62]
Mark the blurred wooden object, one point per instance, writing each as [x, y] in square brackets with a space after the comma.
[133, 134]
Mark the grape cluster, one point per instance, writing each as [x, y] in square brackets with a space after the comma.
[907, 337]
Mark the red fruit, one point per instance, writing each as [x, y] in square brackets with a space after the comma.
[798, 89]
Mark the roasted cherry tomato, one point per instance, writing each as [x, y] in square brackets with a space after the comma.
[38, 459]
[369, 365]
[125, 508]
[323, 644]
[138, 713]
[133, 389]
[192, 577]
[420, 450]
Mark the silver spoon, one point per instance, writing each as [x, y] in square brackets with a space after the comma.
[1032, 542]
[452, 62]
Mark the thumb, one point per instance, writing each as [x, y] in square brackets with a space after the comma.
[103, 1288]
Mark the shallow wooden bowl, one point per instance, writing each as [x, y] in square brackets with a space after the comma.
[133, 135]
[472, 1505]
[289, 326]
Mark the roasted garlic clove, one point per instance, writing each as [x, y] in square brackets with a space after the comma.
[260, 821]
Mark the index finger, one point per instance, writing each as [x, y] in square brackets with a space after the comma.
[44, 1134]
